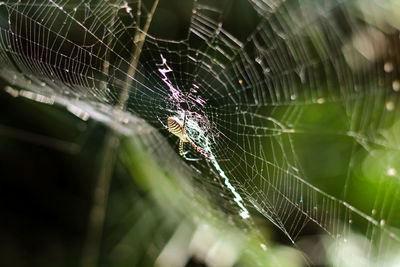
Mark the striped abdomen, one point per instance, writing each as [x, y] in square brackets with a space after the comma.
[176, 128]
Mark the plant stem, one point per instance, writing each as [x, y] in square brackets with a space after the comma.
[141, 36]
[97, 213]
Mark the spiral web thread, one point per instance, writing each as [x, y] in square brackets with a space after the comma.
[245, 98]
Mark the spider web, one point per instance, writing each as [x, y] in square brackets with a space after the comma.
[258, 94]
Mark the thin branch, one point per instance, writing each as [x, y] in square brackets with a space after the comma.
[106, 63]
[40, 140]
[97, 213]
[135, 58]
[111, 144]
[138, 15]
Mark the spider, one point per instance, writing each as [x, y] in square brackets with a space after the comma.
[178, 129]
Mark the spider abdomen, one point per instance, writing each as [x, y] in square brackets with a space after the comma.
[176, 128]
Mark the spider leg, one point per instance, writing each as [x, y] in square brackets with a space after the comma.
[198, 149]
[165, 126]
[181, 148]
[183, 154]
[190, 159]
